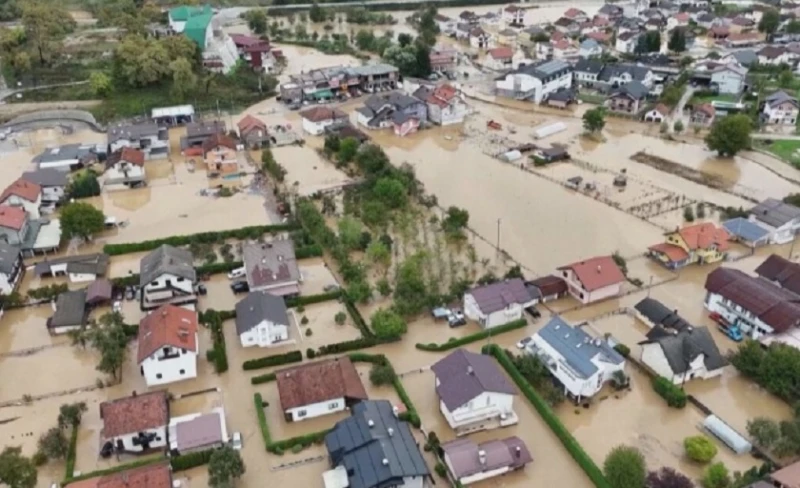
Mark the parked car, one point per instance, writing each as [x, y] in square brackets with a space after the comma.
[330, 288]
[240, 287]
[236, 273]
[236, 441]
[201, 289]
[533, 312]
[522, 344]
[130, 293]
[456, 318]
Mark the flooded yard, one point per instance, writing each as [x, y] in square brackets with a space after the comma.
[307, 171]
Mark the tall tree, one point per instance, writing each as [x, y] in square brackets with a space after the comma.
[140, 62]
[317, 13]
[184, 80]
[770, 20]
[624, 467]
[388, 324]
[428, 28]
[82, 220]
[677, 41]
[70, 414]
[410, 289]
[422, 55]
[53, 444]
[225, 468]
[716, 476]
[16, 470]
[110, 339]
[257, 21]
[45, 24]
[594, 120]
[729, 135]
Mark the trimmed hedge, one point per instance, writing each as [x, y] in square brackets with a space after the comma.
[410, 415]
[252, 232]
[116, 469]
[478, 336]
[262, 420]
[191, 460]
[263, 378]
[674, 395]
[304, 441]
[357, 318]
[274, 360]
[353, 345]
[310, 251]
[71, 453]
[312, 299]
[570, 443]
[213, 320]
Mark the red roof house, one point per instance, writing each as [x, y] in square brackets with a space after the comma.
[593, 279]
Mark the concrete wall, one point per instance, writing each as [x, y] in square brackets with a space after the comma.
[315, 410]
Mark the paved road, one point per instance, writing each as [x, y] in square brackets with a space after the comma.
[6, 92]
[677, 113]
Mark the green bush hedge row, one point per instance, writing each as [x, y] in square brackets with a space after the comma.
[310, 251]
[71, 453]
[570, 443]
[262, 420]
[252, 232]
[410, 415]
[353, 345]
[213, 320]
[116, 469]
[674, 395]
[312, 299]
[262, 378]
[190, 460]
[478, 336]
[274, 360]
[303, 441]
[357, 318]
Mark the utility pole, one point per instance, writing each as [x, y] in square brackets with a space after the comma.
[649, 286]
[791, 249]
[498, 234]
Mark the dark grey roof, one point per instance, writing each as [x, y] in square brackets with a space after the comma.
[660, 314]
[562, 96]
[46, 177]
[167, 259]
[683, 347]
[577, 347]
[638, 73]
[498, 296]
[706, 17]
[780, 97]
[589, 65]
[132, 131]
[402, 117]
[634, 89]
[375, 447]
[396, 99]
[258, 306]
[610, 8]
[204, 129]
[745, 57]
[83, 263]
[545, 69]
[67, 151]
[464, 375]
[9, 255]
[423, 92]
[70, 309]
[775, 213]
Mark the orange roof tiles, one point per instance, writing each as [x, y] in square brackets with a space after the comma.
[319, 381]
[134, 414]
[597, 272]
[504, 52]
[167, 326]
[673, 252]
[12, 217]
[133, 156]
[703, 236]
[23, 189]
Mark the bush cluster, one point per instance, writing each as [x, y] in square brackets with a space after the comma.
[352, 345]
[217, 354]
[274, 360]
[478, 336]
[191, 460]
[312, 299]
[674, 395]
[48, 292]
[297, 444]
[262, 378]
[72, 453]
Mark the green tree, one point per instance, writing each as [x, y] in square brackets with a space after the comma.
[359, 291]
[317, 13]
[381, 374]
[348, 148]
[422, 54]
[428, 28]
[793, 27]
[45, 24]
[16, 470]
[677, 127]
[383, 287]
[764, 432]
[770, 20]
[140, 62]
[594, 120]
[404, 39]
[405, 58]
[79, 219]
[390, 192]
[786, 79]
[53, 444]
[181, 47]
[183, 78]
[455, 221]
[340, 318]
[677, 41]
[700, 448]
[100, 83]
[257, 21]
[716, 476]
[688, 213]
[672, 95]
[729, 135]
[110, 339]
[365, 40]
[350, 232]
[410, 289]
[624, 467]
[225, 468]
[70, 414]
[379, 254]
[84, 185]
[648, 42]
[387, 324]
[271, 167]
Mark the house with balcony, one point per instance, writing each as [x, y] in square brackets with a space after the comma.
[52, 182]
[696, 244]
[148, 137]
[536, 81]
[168, 345]
[580, 362]
[498, 303]
[593, 279]
[781, 220]
[167, 276]
[32, 236]
[628, 98]
[197, 133]
[221, 156]
[446, 104]
[444, 59]
[514, 16]
[135, 424]
[125, 166]
[780, 109]
[261, 320]
[272, 267]
[473, 392]
[11, 268]
[25, 195]
[398, 111]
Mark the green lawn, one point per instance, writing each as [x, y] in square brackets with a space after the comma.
[719, 98]
[786, 150]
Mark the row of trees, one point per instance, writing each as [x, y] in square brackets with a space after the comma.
[776, 368]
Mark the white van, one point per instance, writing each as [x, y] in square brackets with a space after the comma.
[236, 273]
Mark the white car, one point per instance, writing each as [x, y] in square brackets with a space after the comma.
[236, 273]
[524, 342]
[236, 441]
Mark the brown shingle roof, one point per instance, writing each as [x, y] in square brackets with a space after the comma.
[167, 326]
[597, 272]
[216, 140]
[550, 285]
[249, 123]
[134, 414]
[23, 189]
[780, 269]
[318, 114]
[788, 477]
[12, 217]
[318, 382]
[151, 476]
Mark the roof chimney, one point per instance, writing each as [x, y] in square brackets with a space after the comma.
[518, 451]
[470, 370]
[599, 268]
[390, 431]
[385, 462]
[482, 456]
[370, 423]
[395, 410]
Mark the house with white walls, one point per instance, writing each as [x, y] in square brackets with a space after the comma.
[168, 345]
[316, 119]
[780, 108]
[781, 220]
[446, 104]
[25, 195]
[167, 275]
[498, 303]
[593, 279]
[81, 268]
[261, 320]
[11, 268]
[473, 393]
[514, 15]
[580, 362]
[470, 462]
[125, 166]
[536, 81]
[52, 181]
[319, 388]
[148, 137]
[134, 424]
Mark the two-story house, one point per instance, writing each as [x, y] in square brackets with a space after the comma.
[589, 47]
[272, 267]
[729, 79]
[446, 105]
[197, 132]
[627, 98]
[319, 388]
[168, 345]
[25, 195]
[780, 272]
[52, 182]
[167, 275]
[316, 119]
[473, 393]
[617, 74]
[125, 166]
[587, 71]
[536, 81]
[593, 279]
[700, 243]
[444, 59]
[498, 303]
[134, 424]
[148, 137]
[580, 362]
[11, 268]
[220, 155]
[781, 220]
[514, 16]
[392, 110]
[253, 132]
[13, 225]
[479, 38]
[626, 42]
[500, 58]
[261, 320]
[780, 108]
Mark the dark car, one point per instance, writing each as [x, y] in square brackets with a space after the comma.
[201, 289]
[240, 287]
[533, 312]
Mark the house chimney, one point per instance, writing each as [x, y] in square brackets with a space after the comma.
[390, 431]
[599, 269]
[482, 456]
[370, 423]
[470, 370]
[518, 451]
[385, 462]
[395, 410]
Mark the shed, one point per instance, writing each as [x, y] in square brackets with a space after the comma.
[99, 291]
[727, 435]
[549, 130]
[511, 156]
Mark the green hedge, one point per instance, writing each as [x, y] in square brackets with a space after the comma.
[310, 251]
[116, 469]
[357, 318]
[674, 395]
[353, 345]
[570, 443]
[312, 299]
[410, 415]
[274, 360]
[252, 232]
[262, 378]
[190, 460]
[71, 453]
[262, 420]
[303, 441]
[218, 354]
[478, 336]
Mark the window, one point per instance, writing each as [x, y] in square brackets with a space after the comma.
[333, 405]
[301, 414]
[183, 351]
[166, 351]
[158, 376]
[183, 371]
[158, 437]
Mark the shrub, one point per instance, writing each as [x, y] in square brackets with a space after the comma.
[441, 470]
[262, 378]
[309, 332]
[382, 374]
[302, 441]
[625, 467]
[478, 336]
[301, 308]
[340, 318]
[262, 420]
[304, 320]
[353, 345]
[357, 318]
[623, 350]
[310, 353]
[39, 458]
[700, 448]
[674, 396]
[190, 460]
[71, 453]
[274, 360]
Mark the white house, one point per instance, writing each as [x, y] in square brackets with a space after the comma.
[498, 303]
[626, 42]
[261, 320]
[52, 182]
[580, 362]
[780, 109]
[315, 119]
[773, 56]
[781, 220]
[167, 275]
[594, 279]
[514, 15]
[589, 47]
[535, 82]
[11, 268]
[445, 103]
[657, 114]
[470, 462]
[473, 393]
[479, 38]
[319, 388]
[500, 58]
[148, 137]
[136, 423]
[757, 306]
[23, 194]
[125, 166]
[729, 78]
[168, 345]
[587, 72]
[81, 268]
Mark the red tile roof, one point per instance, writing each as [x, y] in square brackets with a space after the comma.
[501, 52]
[23, 189]
[218, 140]
[318, 114]
[133, 414]
[779, 269]
[704, 236]
[151, 476]
[167, 326]
[12, 217]
[597, 272]
[442, 94]
[244, 40]
[573, 12]
[674, 253]
[133, 156]
[249, 123]
[319, 381]
[598, 36]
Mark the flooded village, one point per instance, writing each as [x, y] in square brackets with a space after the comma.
[546, 255]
